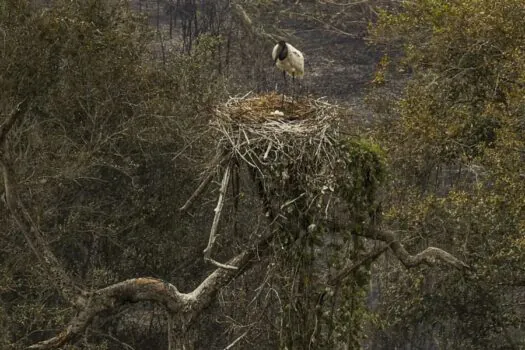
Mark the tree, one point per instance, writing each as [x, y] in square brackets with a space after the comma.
[94, 128]
[92, 136]
[456, 145]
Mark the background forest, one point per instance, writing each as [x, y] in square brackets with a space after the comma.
[106, 114]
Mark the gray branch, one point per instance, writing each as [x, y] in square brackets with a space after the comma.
[185, 306]
[430, 256]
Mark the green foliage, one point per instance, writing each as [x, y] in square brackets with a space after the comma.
[467, 67]
[455, 151]
[360, 176]
[316, 314]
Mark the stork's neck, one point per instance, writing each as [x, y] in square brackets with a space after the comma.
[283, 52]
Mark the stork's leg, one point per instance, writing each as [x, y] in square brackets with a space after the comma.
[293, 87]
[285, 86]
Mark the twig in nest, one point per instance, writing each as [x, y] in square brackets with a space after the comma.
[250, 131]
[267, 150]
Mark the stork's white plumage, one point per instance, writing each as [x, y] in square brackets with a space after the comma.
[288, 59]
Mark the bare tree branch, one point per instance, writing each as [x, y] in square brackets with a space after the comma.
[236, 341]
[187, 306]
[36, 241]
[218, 264]
[430, 256]
[218, 161]
[218, 211]
[202, 186]
[183, 308]
[245, 20]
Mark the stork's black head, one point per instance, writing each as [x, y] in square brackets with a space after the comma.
[283, 50]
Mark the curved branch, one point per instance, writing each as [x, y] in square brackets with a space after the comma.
[430, 256]
[186, 305]
[129, 291]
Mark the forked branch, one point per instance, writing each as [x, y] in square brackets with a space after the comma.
[185, 306]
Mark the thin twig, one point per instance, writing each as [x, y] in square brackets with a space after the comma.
[221, 265]
[204, 183]
[236, 341]
[19, 109]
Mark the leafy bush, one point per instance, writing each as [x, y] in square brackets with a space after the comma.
[96, 155]
[455, 148]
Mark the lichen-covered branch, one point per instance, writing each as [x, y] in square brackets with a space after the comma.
[430, 256]
[109, 298]
[184, 307]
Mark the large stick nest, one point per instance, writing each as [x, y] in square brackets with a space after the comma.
[260, 130]
[293, 146]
